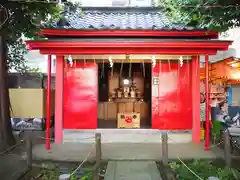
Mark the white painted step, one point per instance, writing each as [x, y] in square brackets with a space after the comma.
[124, 136]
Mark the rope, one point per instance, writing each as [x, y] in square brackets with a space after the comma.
[84, 62]
[102, 72]
[10, 148]
[121, 69]
[80, 165]
[6, 14]
[143, 65]
[52, 139]
[190, 169]
[130, 69]
[195, 174]
[237, 146]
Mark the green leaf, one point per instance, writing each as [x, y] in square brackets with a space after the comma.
[212, 15]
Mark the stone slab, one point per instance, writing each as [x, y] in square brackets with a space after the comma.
[132, 170]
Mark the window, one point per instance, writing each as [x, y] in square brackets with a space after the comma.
[141, 2]
[116, 3]
[120, 3]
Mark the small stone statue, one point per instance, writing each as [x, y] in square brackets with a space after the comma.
[113, 94]
[119, 93]
[132, 93]
[126, 94]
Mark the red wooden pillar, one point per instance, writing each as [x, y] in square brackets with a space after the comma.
[196, 128]
[59, 99]
[207, 132]
[48, 110]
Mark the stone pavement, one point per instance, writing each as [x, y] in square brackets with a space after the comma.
[132, 170]
[124, 151]
[12, 165]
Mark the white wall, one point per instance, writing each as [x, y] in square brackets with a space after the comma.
[234, 49]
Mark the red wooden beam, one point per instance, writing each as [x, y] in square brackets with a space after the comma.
[48, 110]
[220, 45]
[59, 101]
[167, 51]
[130, 33]
[196, 128]
[207, 125]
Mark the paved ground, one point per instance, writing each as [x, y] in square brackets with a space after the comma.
[132, 170]
[123, 151]
[12, 165]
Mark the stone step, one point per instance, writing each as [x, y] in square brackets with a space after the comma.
[132, 170]
[123, 136]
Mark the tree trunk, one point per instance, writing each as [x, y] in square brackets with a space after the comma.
[6, 135]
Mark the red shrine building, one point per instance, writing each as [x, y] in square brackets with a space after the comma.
[126, 68]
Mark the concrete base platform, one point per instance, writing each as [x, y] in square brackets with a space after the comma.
[125, 136]
[123, 151]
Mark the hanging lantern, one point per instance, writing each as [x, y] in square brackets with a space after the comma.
[181, 61]
[153, 61]
[70, 60]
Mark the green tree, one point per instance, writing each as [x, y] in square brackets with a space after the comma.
[17, 19]
[216, 15]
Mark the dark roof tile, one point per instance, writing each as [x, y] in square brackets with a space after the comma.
[112, 18]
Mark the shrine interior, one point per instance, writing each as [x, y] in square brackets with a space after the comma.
[124, 95]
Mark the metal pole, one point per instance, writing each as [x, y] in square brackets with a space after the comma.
[207, 133]
[48, 121]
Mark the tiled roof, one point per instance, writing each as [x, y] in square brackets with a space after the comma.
[116, 18]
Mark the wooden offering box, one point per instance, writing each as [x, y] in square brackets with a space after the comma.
[128, 120]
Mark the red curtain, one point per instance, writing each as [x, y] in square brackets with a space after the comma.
[81, 96]
[171, 96]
